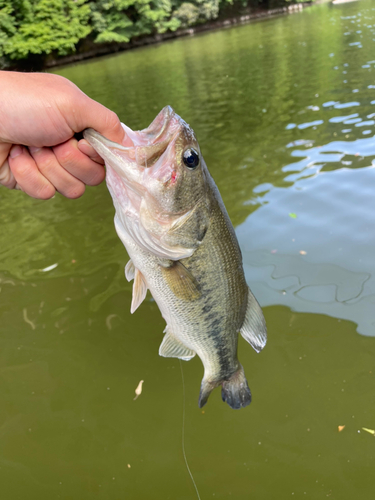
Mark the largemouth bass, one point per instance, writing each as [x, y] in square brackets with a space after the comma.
[183, 248]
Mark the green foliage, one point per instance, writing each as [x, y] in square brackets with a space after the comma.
[30, 28]
[42, 26]
[190, 13]
[109, 20]
[187, 14]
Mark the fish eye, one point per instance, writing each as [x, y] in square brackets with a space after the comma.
[191, 158]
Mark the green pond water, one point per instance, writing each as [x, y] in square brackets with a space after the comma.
[284, 110]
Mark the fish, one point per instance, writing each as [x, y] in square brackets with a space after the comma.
[183, 249]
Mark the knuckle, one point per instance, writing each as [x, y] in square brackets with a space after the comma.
[66, 156]
[47, 164]
[20, 169]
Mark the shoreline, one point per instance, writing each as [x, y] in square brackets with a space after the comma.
[106, 49]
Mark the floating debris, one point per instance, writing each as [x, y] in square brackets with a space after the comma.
[293, 215]
[370, 431]
[341, 428]
[27, 320]
[49, 268]
[302, 252]
[138, 390]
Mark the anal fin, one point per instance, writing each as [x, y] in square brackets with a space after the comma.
[139, 290]
[254, 328]
[173, 348]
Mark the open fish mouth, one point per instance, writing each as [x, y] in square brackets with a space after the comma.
[143, 149]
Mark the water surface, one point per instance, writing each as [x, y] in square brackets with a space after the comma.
[284, 110]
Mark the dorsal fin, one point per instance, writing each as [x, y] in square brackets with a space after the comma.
[173, 348]
[254, 328]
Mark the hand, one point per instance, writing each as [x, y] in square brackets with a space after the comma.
[39, 115]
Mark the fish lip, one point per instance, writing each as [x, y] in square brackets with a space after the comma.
[162, 124]
[92, 136]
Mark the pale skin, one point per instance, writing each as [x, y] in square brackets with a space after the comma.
[39, 115]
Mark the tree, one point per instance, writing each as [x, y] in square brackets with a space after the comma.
[42, 26]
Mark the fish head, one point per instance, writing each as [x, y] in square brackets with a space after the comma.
[158, 181]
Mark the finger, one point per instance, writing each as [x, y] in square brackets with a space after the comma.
[78, 164]
[27, 175]
[89, 151]
[6, 176]
[91, 114]
[63, 181]
[4, 151]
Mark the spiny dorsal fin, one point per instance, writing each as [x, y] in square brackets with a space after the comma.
[139, 290]
[129, 270]
[181, 281]
[173, 348]
[254, 328]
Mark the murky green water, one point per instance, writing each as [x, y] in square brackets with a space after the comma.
[284, 110]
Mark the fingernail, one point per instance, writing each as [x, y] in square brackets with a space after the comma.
[15, 151]
[34, 149]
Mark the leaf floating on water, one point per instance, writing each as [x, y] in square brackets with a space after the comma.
[138, 390]
[370, 431]
[293, 215]
[341, 428]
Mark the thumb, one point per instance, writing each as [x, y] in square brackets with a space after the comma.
[91, 114]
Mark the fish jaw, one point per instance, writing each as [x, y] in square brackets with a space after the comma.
[117, 157]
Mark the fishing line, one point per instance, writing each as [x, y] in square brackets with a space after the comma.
[183, 432]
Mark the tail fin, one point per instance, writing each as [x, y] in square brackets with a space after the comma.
[235, 390]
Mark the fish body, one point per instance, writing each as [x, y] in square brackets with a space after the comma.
[183, 248]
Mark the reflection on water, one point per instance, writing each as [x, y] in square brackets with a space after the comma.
[284, 111]
[325, 254]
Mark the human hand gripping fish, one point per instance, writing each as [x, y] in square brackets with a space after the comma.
[183, 248]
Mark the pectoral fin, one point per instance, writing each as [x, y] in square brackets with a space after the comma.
[173, 348]
[139, 290]
[129, 270]
[254, 328]
[181, 281]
